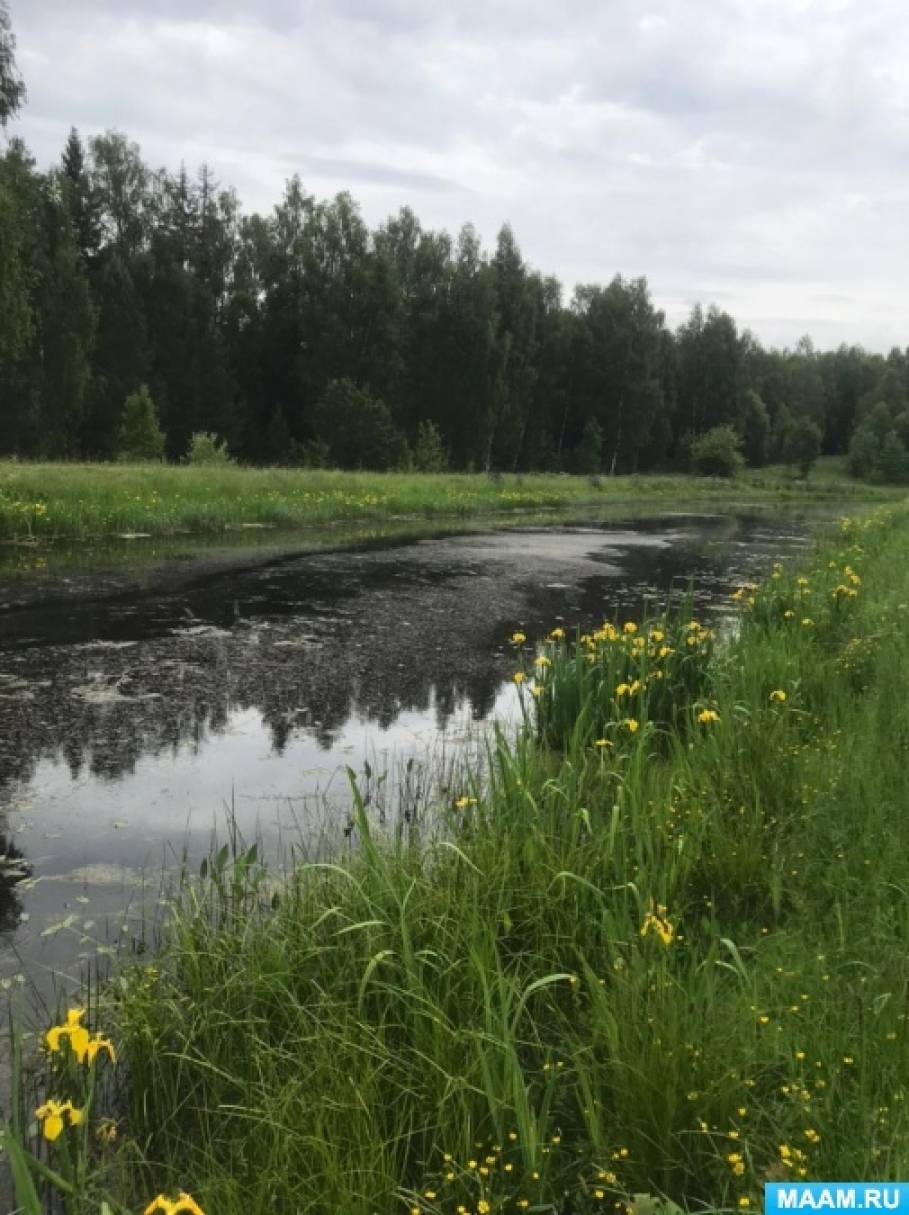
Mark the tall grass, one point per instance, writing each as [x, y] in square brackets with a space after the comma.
[675, 966]
[81, 501]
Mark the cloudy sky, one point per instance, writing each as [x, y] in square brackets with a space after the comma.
[752, 153]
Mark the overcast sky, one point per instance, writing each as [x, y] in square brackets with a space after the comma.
[752, 153]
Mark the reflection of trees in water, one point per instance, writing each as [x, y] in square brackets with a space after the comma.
[416, 649]
[13, 869]
[316, 690]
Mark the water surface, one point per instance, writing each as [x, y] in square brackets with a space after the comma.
[133, 714]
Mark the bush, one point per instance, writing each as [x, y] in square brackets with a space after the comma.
[206, 448]
[140, 437]
[803, 445]
[718, 453]
[358, 428]
[429, 455]
[864, 452]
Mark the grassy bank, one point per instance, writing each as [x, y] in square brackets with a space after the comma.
[83, 501]
[660, 950]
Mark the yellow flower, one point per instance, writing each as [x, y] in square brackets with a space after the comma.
[657, 635]
[518, 638]
[483, 1207]
[744, 1201]
[51, 1116]
[602, 742]
[557, 634]
[461, 803]
[629, 627]
[708, 715]
[536, 689]
[98, 1043]
[788, 614]
[664, 651]
[631, 725]
[656, 921]
[778, 694]
[543, 661]
[519, 677]
[182, 1203]
[622, 690]
[76, 1034]
[812, 1136]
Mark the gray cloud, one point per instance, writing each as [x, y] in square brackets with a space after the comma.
[743, 151]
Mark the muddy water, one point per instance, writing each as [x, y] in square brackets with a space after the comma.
[135, 715]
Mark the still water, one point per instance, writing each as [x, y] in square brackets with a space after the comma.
[132, 720]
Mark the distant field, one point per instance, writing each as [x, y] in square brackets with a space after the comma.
[83, 501]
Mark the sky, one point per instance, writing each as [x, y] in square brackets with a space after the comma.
[747, 153]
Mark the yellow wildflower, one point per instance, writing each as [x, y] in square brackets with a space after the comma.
[708, 715]
[182, 1203]
[519, 677]
[543, 661]
[51, 1117]
[557, 634]
[629, 627]
[778, 694]
[76, 1034]
[656, 921]
[631, 725]
[602, 742]
[518, 638]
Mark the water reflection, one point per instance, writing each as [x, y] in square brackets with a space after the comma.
[128, 722]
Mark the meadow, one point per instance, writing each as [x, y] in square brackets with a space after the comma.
[652, 957]
[45, 502]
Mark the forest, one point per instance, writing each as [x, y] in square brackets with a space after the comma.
[305, 337]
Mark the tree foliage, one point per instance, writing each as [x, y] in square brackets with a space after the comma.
[140, 437]
[304, 335]
[718, 453]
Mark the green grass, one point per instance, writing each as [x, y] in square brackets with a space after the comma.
[677, 965]
[86, 501]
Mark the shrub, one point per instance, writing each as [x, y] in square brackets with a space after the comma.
[718, 453]
[429, 455]
[206, 448]
[864, 452]
[358, 428]
[803, 445]
[140, 437]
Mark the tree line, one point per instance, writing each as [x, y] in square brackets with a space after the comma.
[303, 336]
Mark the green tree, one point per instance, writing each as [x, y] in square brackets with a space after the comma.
[588, 455]
[717, 453]
[429, 452]
[12, 87]
[864, 452]
[358, 428]
[80, 197]
[893, 463]
[803, 445]
[140, 436]
[754, 427]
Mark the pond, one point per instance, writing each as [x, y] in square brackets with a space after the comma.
[140, 714]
